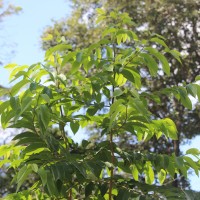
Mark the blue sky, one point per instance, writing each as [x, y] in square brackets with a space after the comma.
[22, 32]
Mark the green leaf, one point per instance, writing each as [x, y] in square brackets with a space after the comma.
[133, 76]
[166, 161]
[165, 64]
[119, 38]
[135, 173]
[106, 92]
[109, 30]
[98, 53]
[44, 115]
[171, 128]
[45, 97]
[103, 189]
[14, 103]
[79, 56]
[185, 100]
[171, 168]
[26, 134]
[80, 168]
[151, 63]
[192, 89]
[26, 103]
[193, 151]
[161, 176]
[15, 89]
[98, 97]
[33, 87]
[47, 37]
[6, 117]
[22, 175]
[28, 140]
[40, 74]
[128, 75]
[47, 91]
[149, 173]
[10, 66]
[40, 145]
[34, 167]
[74, 126]
[175, 54]
[92, 110]
[159, 56]
[16, 70]
[192, 164]
[123, 194]
[51, 185]
[100, 11]
[115, 105]
[43, 175]
[117, 92]
[24, 123]
[89, 188]
[4, 91]
[4, 105]
[109, 52]
[198, 91]
[179, 162]
[120, 79]
[159, 41]
[197, 78]
[75, 67]
[59, 47]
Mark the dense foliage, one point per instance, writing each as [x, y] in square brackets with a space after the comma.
[178, 21]
[115, 100]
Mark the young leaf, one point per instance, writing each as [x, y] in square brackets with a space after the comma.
[149, 173]
[161, 176]
[171, 128]
[135, 173]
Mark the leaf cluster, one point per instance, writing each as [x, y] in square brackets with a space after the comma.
[44, 98]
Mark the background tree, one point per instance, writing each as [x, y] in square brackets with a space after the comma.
[6, 10]
[178, 21]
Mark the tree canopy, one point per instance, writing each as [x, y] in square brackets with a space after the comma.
[116, 99]
[177, 21]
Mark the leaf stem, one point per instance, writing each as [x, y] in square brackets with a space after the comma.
[111, 137]
[70, 195]
[61, 126]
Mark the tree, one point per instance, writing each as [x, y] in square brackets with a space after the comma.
[44, 98]
[179, 28]
[7, 10]
[177, 21]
